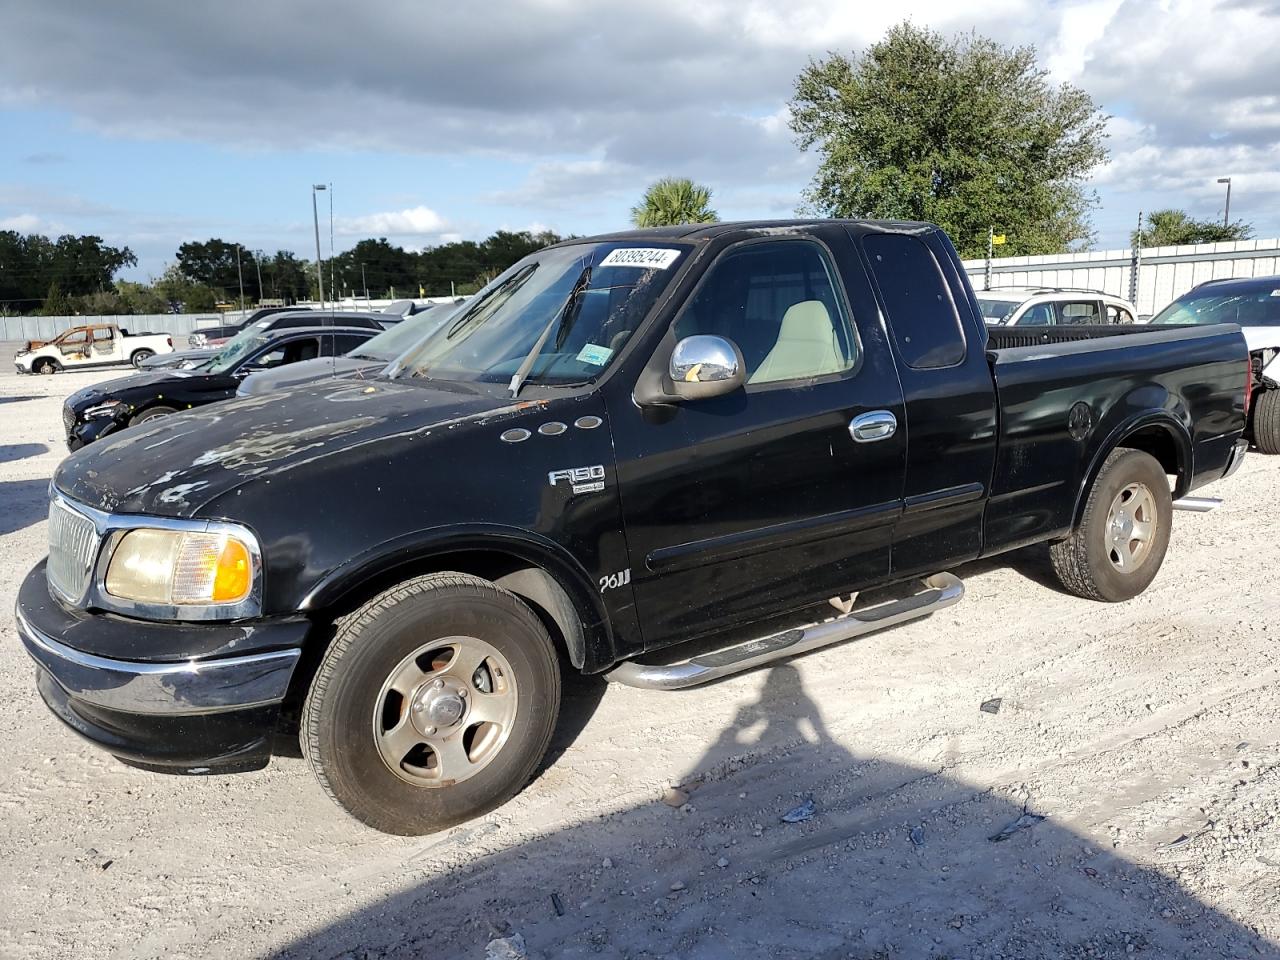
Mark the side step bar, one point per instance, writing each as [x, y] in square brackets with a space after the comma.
[1197, 504]
[941, 590]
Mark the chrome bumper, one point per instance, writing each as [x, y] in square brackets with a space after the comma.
[184, 687]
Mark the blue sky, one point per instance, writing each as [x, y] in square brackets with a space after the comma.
[151, 124]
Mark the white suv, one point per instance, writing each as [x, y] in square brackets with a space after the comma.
[1051, 306]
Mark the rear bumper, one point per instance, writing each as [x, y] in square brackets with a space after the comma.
[196, 715]
[1235, 459]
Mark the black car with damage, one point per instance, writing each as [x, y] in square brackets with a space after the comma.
[663, 456]
[104, 408]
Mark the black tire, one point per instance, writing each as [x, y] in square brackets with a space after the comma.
[45, 366]
[1266, 421]
[1083, 562]
[337, 732]
[151, 413]
[140, 355]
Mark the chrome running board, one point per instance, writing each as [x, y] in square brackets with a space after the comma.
[941, 590]
[1197, 504]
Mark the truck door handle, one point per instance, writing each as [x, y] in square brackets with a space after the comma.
[876, 425]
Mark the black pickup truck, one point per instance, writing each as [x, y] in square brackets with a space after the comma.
[664, 456]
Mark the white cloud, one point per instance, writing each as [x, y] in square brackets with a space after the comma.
[23, 223]
[416, 221]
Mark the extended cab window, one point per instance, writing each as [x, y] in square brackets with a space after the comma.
[778, 302]
[921, 313]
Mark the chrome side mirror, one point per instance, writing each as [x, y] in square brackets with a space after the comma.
[705, 366]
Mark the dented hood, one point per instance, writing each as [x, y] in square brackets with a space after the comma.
[175, 465]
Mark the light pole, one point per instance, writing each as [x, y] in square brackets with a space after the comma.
[1226, 214]
[257, 262]
[333, 296]
[240, 274]
[315, 217]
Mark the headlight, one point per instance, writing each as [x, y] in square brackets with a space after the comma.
[182, 568]
[105, 409]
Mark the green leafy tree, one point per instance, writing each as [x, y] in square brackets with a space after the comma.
[671, 201]
[56, 302]
[30, 264]
[962, 132]
[1167, 228]
[213, 263]
[174, 287]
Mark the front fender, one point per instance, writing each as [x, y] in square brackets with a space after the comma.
[590, 650]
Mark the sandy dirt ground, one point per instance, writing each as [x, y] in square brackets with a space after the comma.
[1146, 734]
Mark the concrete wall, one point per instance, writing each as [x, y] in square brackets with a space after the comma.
[1164, 274]
[46, 328]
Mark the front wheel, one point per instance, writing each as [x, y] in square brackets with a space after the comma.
[45, 367]
[140, 355]
[434, 703]
[1116, 550]
[151, 413]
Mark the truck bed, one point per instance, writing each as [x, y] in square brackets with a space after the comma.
[1053, 390]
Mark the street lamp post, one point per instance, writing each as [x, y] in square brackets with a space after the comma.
[315, 217]
[1226, 214]
[240, 275]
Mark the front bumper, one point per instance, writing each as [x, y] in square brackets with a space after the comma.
[195, 715]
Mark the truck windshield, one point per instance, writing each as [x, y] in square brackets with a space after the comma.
[611, 285]
[389, 344]
[1256, 305]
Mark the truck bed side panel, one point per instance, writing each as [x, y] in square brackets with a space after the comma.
[1189, 382]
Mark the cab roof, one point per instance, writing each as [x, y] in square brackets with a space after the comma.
[702, 232]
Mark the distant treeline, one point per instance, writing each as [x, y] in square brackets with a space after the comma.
[73, 274]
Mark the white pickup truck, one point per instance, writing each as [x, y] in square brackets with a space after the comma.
[94, 345]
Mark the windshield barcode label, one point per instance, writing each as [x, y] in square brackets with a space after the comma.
[646, 258]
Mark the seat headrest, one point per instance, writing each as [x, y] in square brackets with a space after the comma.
[806, 320]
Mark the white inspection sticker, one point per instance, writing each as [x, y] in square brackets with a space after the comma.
[646, 258]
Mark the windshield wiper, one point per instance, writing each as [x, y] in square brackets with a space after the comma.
[561, 315]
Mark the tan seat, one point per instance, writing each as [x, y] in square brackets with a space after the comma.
[807, 346]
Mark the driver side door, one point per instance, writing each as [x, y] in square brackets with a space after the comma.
[759, 503]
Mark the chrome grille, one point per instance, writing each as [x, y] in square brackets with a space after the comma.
[68, 417]
[73, 547]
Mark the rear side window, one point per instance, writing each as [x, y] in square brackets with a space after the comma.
[1079, 311]
[346, 342]
[922, 315]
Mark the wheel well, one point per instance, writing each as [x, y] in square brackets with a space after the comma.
[533, 584]
[1160, 443]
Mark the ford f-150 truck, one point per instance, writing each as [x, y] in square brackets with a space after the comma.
[663, 456]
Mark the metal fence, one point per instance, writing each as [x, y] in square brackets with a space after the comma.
[46, 328]
[1162, 273]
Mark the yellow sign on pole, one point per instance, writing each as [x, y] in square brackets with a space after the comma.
[997, 239]
[423, 293]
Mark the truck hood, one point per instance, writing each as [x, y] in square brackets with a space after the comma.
[180, 463]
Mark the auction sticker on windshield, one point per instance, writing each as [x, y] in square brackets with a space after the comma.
[646, 258]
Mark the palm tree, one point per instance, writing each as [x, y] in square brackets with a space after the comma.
[674, 200]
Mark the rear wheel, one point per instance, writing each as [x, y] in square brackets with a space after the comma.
[1117, 548]
[140, 355]
[151, 413]
[1266, 421]
[44, 366]
[435, 703]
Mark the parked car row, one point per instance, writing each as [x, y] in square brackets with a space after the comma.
[276, 345]
[662, 456]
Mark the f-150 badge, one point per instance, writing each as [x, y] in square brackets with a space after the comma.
[582, 479]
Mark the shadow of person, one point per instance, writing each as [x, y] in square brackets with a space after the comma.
[895, 861]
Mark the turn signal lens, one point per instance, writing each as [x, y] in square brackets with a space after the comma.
[234, 573]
